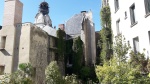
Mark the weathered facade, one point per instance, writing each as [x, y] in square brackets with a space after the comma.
[83, 26]
[37, 43]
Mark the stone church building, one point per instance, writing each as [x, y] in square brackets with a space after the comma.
[35, 42]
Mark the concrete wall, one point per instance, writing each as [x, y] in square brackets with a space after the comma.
[12, 16]
[7, 53]
[140, 29]
[16, 47]
[88, 38]
[24, 46]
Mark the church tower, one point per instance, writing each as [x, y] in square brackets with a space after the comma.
[42, 18]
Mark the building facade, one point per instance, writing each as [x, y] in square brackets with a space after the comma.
[131, 19]
[36, 43]
[82, 25]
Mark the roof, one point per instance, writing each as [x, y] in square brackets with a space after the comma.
[74, 24]
[51, 31]
[97, 31]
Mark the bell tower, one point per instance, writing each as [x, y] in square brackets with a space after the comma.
[12, 12]
[42, 18]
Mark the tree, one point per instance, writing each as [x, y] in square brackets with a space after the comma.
[114, 70]
[138, 59]
[121, 48]
[118, 69]
[106, 34]
[53, 75]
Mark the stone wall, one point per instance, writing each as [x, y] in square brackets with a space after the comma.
[36, 47]
[39, 51]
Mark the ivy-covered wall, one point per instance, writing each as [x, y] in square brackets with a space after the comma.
[39, 48]
[78, 58]
[61, 48]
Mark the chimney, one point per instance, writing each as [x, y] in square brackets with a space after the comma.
[54, 27]
[83, 12]
[12, 12]
[62, 26]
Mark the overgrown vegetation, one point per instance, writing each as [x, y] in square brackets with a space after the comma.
[120, 70]
[77, 55]
[117, 65]
[53, 75]
[24, 75]
[61, 45]
[75, 52]
[71, 51]
[105, 41]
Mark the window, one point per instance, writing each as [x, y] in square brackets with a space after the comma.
[2, 70]
[117, 26]
[149, 35]
[136, 44]
[132, 14]
[116, 5]
[2, 42]
[105, 3]
[147, 6]
[125, 13]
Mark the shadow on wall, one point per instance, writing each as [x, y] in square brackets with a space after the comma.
[5, 52]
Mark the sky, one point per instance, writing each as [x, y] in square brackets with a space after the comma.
[60, 10]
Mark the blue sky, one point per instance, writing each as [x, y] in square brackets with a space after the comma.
[60, 10]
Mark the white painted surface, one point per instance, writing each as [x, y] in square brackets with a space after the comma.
[140, 29]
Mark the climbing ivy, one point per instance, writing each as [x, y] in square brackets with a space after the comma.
[106, 34]
[61, 45]
[77, 55]
[69, 55]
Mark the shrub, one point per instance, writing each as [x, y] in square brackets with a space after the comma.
[53, 75]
